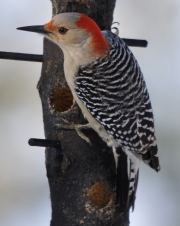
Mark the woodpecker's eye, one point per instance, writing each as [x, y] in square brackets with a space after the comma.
[63, 30]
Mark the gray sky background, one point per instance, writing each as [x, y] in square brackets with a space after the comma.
[24, 194]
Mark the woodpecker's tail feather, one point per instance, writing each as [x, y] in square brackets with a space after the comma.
[132, 197]
[122, 183]
[126, 182]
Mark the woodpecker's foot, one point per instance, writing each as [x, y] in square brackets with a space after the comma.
[77, 127]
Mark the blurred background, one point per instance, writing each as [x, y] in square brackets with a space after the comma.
[24, 191]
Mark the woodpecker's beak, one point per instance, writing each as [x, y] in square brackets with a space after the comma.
[37, 29]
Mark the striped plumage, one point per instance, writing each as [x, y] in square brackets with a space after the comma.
[114, 92]
[107, 84]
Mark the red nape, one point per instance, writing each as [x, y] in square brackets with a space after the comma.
[99, 43]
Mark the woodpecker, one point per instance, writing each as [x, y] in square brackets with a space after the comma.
[108, 85]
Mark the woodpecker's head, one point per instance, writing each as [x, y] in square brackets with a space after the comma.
[70, 30]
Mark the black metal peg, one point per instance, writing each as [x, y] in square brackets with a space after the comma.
[44, 143]
[135, 42]
[21, 56]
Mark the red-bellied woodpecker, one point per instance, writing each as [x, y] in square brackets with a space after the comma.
[107, 84]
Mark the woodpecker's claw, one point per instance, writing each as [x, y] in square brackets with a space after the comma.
[115, 28]
[77, 127]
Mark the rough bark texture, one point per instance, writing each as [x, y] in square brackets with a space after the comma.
[81, 177]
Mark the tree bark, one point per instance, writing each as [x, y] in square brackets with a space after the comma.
[81, 176]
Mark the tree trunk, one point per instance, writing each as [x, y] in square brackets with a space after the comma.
[81, 176]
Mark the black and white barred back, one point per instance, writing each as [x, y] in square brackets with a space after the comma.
[114, 92]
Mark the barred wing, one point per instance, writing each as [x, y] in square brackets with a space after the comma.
[114, 92]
